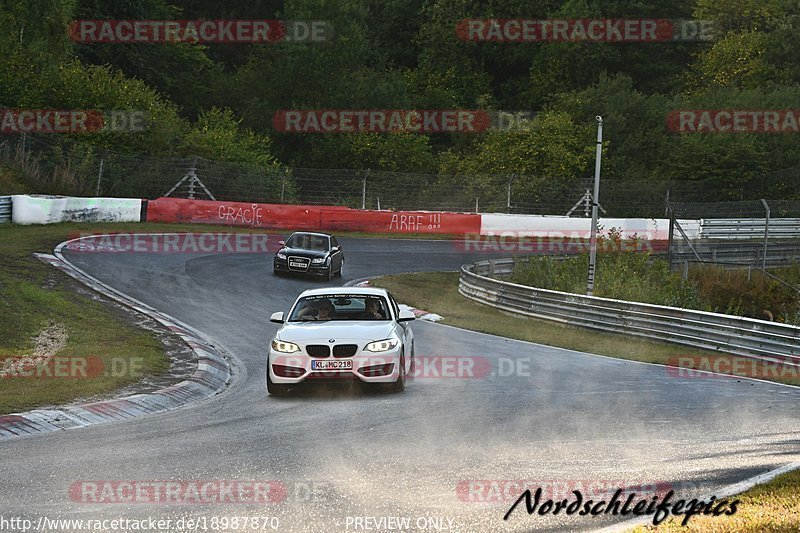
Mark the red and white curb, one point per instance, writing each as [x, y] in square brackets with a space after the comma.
[212, 376]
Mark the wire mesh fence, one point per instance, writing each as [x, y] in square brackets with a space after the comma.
[75, 167]
[756, 234]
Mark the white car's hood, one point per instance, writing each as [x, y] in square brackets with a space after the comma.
[365, 331]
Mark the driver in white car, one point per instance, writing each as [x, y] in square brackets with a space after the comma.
[372, 309]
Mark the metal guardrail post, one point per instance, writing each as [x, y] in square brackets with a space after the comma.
[5, 209]
[671, 231]
[364, 190]
[766, 234]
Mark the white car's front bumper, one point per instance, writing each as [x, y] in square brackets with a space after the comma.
[369, 367]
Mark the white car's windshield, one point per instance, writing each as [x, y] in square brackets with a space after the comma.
[308, 242]
[340, 307]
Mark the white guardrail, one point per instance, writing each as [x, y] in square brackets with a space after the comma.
[749, 228]
[5, 209]
[44, 209]
[712, 331]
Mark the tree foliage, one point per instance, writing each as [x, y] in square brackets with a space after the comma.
[218, 100]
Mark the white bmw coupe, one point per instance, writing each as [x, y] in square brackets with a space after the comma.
[341, 333]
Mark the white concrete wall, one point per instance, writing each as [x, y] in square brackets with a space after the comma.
[561, 226]
[41, 209]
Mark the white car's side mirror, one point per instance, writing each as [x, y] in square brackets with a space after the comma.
[277, 317]
[405, 316]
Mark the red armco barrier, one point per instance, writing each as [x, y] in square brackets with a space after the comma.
[308, 217]
[277, 216]
[401, 221]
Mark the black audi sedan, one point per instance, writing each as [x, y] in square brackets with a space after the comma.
[310, 253]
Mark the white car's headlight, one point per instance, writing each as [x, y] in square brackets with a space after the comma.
[280, 255]
[319, 260]
[284, 347]
[382, 346]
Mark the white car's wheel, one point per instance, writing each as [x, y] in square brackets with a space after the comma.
[400, 384]
[276, 389]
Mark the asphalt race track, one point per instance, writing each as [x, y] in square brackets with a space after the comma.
[562, 418]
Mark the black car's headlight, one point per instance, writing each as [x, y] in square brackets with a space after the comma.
[280, 255]
[319, 260]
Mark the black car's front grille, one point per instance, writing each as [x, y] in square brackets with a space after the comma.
[298, 263]
[345, 350]
[318, 350]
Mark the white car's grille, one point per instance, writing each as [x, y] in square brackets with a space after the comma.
[345, 350]
[339, 350]
[318, 350]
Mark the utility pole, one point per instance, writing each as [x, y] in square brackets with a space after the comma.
[99, 177]
[508, 195]
[595, 204]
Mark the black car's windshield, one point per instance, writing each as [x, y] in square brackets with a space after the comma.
[305, 241]
[340, 307]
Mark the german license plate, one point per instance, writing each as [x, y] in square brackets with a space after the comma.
[344, 364]
[295, 264]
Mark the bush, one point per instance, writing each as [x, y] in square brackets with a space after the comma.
[622, 273]
[731, 292]
[640, 277]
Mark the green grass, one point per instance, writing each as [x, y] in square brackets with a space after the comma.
[34, 295]
[438, 293]
[771, 507]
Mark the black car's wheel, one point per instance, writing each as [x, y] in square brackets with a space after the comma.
[276, 389]
[328, 273]
[341, 267]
